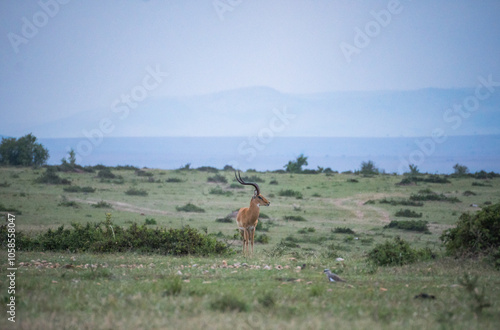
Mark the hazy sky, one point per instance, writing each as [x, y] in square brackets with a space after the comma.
[61, 57]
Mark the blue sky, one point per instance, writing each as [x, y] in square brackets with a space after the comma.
[61, 58]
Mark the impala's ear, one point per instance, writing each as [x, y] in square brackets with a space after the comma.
[255, 193]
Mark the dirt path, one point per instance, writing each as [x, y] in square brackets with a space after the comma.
[121, 206]
[357, 207]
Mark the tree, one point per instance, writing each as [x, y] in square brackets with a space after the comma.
[296, 166]
[368, 168]
[460, 170]
[24, 151]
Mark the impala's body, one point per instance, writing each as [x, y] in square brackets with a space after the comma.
[248, 217]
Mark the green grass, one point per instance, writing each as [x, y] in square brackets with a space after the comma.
[269, 290]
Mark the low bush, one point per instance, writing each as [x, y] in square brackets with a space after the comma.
[102, 205]
[397, 252]
[173, 180]
[225, 220]
[106, 237]
[294, 218]
[105, 173]
[408, 214]
[136, 192]
[149, 221]
[343, 230]
[262, 238]
[78, 189]
[411, 225]
[228, 303]
[218, 178]
[290, 193]
[189, 208]
[428, 195]
[219, 191]
[475, 233]
[403, 202]
[50, 177]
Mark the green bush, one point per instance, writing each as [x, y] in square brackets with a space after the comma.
[228, 303]
[412, 225]
[105, 173]
[50, 177]
[263, 239]
[149, 221]
[102, 205]
[428, 195]
[408, 214]
[189, 208]
[219, 191]
[78, 189]
[290, 193]
[343, 230]
[294, 218]
[218, 178]
[136, 192]
[404, 202]
[396, 253]
[106, 237]
[475, 233]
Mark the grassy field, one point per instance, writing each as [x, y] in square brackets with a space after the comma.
[281, 286]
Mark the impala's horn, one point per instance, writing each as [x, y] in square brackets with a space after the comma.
[240, 180]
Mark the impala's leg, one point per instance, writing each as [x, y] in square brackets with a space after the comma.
[245, 242]
[252, 235]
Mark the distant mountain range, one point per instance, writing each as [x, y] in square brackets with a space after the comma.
[262, 111]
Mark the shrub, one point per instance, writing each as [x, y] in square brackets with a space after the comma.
[136, 192]
[218, 178]
[404, 202]
[412, 225]
[67, 203]
[469, 193]
[396, 253]
[173, 180]
[229, 303]
[290, 193]
[226, 220]
[294, 218]
[263, 239]
[307, 230]
[105, 173]
[428, 195]
[219, 191]
[344, 230]
[189, 208]
[475, 233]
[106, 237]
[369, 168]
[50, 177]
[143, 173]
[78, 189]
[149, 221]
[408, 214]
[208, 169]
[173, 286]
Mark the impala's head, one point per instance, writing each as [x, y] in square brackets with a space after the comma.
[257, 197]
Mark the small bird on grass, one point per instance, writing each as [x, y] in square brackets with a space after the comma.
[332, 277]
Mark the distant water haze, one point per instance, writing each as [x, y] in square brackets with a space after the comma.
[340, 154]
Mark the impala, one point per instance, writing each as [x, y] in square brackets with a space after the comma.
[248, 217]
